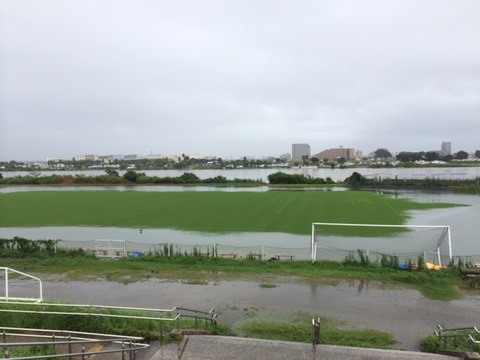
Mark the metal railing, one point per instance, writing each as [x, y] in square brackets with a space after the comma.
[452, 338]
[204, 316]
[69, 344]
[163, 316]
[75, 346]
[16, 273]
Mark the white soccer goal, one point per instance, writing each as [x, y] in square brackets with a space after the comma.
[406, 242]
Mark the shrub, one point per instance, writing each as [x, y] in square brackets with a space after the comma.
[430, 344]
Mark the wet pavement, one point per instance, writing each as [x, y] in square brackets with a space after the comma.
[220, 348]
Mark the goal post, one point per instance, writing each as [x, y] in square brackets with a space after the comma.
[403, 241]
[110, 248]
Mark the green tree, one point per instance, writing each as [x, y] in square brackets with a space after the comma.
[461, 155]
[131, 175]
[355, 179]
[477, 154]
[431, 156]
[305, 159]
[189, 177]
[382, 153]
[447, 158]
[112, 172]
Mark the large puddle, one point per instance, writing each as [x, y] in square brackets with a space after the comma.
[357, 304]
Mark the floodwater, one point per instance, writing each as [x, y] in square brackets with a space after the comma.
[464, 222]
[402, 312]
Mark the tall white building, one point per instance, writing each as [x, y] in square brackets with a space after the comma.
[299, 150]
[446, 148]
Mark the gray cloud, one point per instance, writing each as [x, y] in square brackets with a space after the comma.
[236, 78]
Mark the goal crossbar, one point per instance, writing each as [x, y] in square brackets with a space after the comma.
[446, 232]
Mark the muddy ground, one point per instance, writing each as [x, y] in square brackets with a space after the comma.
[402, 312]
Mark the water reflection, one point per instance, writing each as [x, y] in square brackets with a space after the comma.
[361, 284]
[164, 188]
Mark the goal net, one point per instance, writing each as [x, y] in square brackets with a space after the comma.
[335, 241]
[110, 248]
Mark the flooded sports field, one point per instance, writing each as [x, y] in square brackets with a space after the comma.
[404, 313]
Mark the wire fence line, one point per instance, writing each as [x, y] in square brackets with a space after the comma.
[118, 248]
[109, 248]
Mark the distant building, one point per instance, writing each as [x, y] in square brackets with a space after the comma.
[299, 151]
[175, 158]
[106, 159]
[155, 156]
[446, 149]
[130, 157]
[86, 157]
[52, 160]
[336, 153]
[194, 156]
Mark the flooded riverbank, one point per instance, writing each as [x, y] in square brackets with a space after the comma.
[356, 304]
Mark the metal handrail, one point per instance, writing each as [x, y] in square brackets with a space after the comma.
[207, 316]
[177, 313]
[7, 296]
[29, 332]
[447, 334]
[94, 310]
[86, 338]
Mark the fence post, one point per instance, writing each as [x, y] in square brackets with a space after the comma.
[4, 340]
[70, 345]
[315, 332]
[161, 332]
[178, 320]
[132, 352]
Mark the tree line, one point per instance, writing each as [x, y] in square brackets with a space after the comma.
[113, 177]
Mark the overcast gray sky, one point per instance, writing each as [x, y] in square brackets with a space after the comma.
[237, 78]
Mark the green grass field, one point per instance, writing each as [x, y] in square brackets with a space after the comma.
[216, 211]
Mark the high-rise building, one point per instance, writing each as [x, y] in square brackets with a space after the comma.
[446, 148]
[299, 151]
[340, 152]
